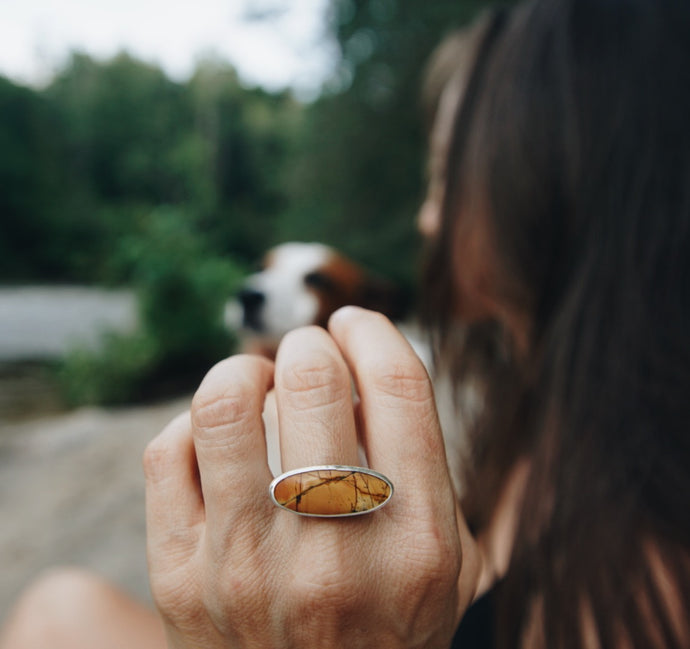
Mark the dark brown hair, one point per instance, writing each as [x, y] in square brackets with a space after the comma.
[574, 136]
[479, 353]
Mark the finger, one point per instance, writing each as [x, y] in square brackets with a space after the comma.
[174, 505]
[401, 432]
[314, 396]
[229, 439]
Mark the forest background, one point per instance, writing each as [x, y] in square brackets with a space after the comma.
[115, 175]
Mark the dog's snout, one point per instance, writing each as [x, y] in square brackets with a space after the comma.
[251, 298]
[252, 302]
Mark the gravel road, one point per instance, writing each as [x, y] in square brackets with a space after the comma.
[71, 485]
[72, 492]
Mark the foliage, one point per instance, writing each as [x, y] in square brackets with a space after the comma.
[250, 137]
[120, 121]
[82, 158]
[116, 174]
[182, 290]
[105, 141]
[30, 178]
[114, 375]
[182, 293]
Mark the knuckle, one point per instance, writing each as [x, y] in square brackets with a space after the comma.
[238, 591]
[313, 382]
[427, 593]
[162, 454]
[407, 381]
[222, 411]
[432, 561]
[323, 586]
[175, 594]
[230, 394]
[223, 425]
[157, 459]
[231, 593]
[326, 578]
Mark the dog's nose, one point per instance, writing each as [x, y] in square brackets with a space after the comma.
[252, 302]
[251, 299]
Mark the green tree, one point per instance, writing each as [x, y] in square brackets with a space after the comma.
[121, 120]
[182, 292]
[31, 179]
[250, 140]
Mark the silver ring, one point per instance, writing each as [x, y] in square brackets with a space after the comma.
[331, 491]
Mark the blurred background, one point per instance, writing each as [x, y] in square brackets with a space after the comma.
[161, 148]
[150, 152]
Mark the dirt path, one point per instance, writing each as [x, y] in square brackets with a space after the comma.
[72, 492]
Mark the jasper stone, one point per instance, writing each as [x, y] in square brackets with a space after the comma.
[331, 491]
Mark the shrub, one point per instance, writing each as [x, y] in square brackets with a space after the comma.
[182, 290]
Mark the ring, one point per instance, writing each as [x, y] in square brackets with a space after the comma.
[331, 491]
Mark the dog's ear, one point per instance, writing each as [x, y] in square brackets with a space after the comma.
[386, 297]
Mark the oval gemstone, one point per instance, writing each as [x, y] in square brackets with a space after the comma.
[331, 491]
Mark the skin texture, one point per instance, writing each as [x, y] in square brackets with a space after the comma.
[229, 569]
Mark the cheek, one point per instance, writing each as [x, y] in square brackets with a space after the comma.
[474, 294]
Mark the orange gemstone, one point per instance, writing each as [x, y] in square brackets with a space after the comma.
[331, 491]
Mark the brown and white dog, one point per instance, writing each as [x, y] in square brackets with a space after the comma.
[302, 284]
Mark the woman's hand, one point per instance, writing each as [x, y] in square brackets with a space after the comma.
[228, 568]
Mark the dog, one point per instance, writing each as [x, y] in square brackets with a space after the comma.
[302, 284]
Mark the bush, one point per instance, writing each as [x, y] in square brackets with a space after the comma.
[182, 291]
[114, 375]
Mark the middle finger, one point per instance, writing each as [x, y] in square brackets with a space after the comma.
[314, 397]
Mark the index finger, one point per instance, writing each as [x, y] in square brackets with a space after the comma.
[229, 439]
[401, 432]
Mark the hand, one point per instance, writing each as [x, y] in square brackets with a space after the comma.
[230, 569]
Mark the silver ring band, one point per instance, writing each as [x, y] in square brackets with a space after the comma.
[331, 491]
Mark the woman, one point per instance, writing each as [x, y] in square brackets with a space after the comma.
[565, 218]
